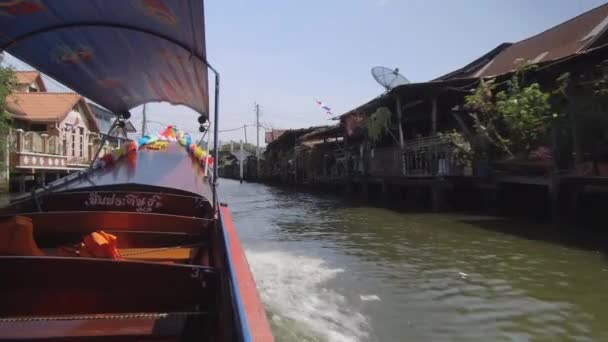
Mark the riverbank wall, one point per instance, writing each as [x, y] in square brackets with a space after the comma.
[466, 194]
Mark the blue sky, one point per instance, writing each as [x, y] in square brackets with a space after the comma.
[284, 53]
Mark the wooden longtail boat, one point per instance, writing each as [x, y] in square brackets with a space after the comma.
[177, 271]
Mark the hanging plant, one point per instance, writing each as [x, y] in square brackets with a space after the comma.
[379, 124]
[462, 149]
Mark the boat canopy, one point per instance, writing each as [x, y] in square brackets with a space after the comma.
[119, 54]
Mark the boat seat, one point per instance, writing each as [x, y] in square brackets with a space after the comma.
[151, 327]
[51, 286]
[87, 222]
[158, 255]
[17, 237]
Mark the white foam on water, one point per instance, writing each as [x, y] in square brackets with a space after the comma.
[292, 287]
[369, 298]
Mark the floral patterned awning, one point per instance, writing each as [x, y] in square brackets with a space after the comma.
[119, 54]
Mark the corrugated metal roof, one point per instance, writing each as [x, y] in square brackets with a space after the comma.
[568, 38]
[324, 132]
[475, 65]
[104, 120]
[241, 155]
[273, 135]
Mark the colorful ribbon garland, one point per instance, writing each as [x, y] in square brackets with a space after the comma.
[170, 134]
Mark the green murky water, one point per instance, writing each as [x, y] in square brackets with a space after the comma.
[335, 271]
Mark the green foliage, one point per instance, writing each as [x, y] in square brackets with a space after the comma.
[512, 119]
[584, 93]
[463, 151]
[7, 80]
[237, 147]
[379, 124]
[583, 97]
[486, 117]
[526, 111]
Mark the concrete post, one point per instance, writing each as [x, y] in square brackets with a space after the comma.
[45, 143]
[20, 140]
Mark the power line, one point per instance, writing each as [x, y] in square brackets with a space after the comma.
[246, 125]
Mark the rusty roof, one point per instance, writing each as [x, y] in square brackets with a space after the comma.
[45, 107]
[323, 133]
[475, 65]
[273, 135]
[290, 136]
[570, 37]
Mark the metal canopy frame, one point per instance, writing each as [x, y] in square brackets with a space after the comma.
[193, 53]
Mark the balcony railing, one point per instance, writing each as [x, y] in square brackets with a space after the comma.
[36, 142]
[430, 156]
[385, 162]
[38, 150]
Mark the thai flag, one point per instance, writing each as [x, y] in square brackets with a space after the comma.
[324, 107]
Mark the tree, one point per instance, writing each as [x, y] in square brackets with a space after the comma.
[582, 95]
[513, 119]
[237, 147]
[379, 124]
[7, 80]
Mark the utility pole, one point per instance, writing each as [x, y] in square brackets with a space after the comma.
[241, 162]
[245, 130]
[257, 138]
[143, 122]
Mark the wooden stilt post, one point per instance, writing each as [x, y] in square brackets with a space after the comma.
[554, 199]
[385, 192]
[364, 190]
[434, 115]
[241, 163]
[438, 193]
[576, 141]
[401, 139]
[22, 183]
[555, 182]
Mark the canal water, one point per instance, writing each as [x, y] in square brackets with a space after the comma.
[331, 270]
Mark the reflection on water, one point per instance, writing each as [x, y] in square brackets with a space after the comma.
[331, 271]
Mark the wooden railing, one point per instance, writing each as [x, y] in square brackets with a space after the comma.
[385, 162]
[430, 156]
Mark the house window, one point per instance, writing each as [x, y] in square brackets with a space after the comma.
[67, 132]
[81, 137]
[38, 127]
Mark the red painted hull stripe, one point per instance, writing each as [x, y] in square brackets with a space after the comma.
[256, 320]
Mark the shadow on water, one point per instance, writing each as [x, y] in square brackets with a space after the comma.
[586, 237]
[591, 236]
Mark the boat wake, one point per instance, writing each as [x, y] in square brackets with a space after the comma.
[300, 307]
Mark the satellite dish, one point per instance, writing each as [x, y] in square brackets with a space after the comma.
[388, 78]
